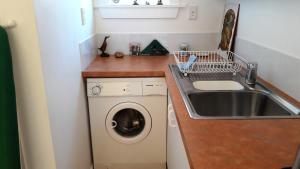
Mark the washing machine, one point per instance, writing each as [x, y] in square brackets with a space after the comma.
[128, 119]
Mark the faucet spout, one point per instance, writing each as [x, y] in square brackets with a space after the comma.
[251, 73]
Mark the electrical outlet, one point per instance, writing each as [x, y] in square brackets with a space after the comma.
[83, 18]
[193, 12]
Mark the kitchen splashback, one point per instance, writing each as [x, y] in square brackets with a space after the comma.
[171, 41]
[120, 42]
[278, 68]
[88, 51]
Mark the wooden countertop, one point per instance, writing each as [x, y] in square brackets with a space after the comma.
[129, 66]
[213, 144]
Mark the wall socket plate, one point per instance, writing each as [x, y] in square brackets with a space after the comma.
[192, 12]
[83, 17]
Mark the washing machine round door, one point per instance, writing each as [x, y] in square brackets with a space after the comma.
[128, 123]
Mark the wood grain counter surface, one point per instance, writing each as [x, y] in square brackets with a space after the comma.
[212, 144]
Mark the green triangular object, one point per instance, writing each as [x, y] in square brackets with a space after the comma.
[155, 48]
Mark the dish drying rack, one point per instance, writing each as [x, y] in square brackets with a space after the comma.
[191, 62]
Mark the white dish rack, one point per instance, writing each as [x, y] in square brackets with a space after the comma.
[209, 62]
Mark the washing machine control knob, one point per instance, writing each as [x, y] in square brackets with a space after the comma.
[96, 90]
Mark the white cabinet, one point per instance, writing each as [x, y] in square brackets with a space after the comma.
[176, 154]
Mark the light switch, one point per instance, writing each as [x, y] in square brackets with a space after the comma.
[83, 19]
[193, 12]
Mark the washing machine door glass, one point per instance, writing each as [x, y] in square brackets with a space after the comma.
[128, 123]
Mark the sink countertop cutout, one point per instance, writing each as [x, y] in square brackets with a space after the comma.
[217, 85]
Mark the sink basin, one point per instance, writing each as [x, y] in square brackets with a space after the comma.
[236, 103]
[227, 96]
[217, 85]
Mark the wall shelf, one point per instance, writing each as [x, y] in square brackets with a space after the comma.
[110, 11]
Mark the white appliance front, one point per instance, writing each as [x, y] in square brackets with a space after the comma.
[129, 131]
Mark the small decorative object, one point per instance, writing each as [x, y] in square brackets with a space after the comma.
[135, 48]
[119, 54]
[147, 3]
[159, 2]
[155, 48]
[103, 48]
[135, 2]
[183, 47]
[229, 26]
[116, 1]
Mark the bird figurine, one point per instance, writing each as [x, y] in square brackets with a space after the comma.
[103, 48]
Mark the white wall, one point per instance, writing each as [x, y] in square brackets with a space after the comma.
[200, 34]
[87, 46]
[32, 107]
[268, 33]
[89, 28]
[209, 21]
[273, 24]
[60, 31]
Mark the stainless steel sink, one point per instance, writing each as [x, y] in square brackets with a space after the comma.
[230, 104]
[253, 102]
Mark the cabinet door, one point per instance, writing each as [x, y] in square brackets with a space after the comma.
[176, 154]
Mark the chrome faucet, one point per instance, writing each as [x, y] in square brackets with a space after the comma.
[251, 73]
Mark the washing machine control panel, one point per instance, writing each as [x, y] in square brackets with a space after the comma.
[126, 87]
[96, 90]
[154, 87]
[114, 89]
